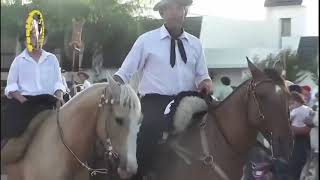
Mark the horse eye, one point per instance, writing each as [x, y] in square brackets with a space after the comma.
[119, 121]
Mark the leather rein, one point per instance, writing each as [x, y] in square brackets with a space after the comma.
[107, 143]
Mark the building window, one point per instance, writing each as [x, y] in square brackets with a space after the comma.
[285, 27]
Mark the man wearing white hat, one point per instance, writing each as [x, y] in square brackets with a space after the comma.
[169, 61]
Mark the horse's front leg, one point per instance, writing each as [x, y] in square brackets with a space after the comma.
[14, 172]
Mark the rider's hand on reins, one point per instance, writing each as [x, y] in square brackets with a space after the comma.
[59, 95]
[205, 87]
[61, 101]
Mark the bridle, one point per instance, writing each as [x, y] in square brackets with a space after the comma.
[252, 90]
[268, 135]
[109, 152]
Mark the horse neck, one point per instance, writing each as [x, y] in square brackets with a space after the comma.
[79, 122]
[232, 119]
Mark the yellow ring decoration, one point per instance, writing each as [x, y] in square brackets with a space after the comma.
[28, 27]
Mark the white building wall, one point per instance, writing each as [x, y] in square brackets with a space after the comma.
[312, 20]
[227, 41]
[290, 43]
[217, 32]
[297, 15]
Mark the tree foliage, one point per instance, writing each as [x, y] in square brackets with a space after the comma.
[295, 68]
[107, 22]
[114, 24]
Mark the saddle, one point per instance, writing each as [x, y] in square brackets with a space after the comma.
[185, 107]
[14, 148]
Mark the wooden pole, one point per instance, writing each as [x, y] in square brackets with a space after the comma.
[76, 46]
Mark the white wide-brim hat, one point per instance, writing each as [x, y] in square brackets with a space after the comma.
[165, 2]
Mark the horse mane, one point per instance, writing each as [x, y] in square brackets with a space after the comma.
[129, 98]
[274, 76]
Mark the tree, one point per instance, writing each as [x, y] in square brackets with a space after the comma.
[296, 69]
[107, 22]
[114, 24]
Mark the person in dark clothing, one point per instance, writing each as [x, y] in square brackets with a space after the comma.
[299, 114]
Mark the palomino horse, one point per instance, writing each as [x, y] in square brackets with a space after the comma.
[216, 148]
[106, 111]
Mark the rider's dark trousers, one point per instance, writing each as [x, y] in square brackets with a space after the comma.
[16, 116]
[153, 123]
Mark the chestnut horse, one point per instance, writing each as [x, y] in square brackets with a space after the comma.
[215, 148]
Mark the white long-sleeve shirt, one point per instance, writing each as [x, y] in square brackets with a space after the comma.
[300, 114]
[150, 56]
[34, 78]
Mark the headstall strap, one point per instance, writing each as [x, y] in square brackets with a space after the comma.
[109, 153]
[103, 100]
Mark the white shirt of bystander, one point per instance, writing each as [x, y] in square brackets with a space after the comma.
[300, 114]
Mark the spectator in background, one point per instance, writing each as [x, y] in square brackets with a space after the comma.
[223, 89]
[300, 114]
[306, 92]
[295, 88]
[288, 83]
[83, 76]
[315, 101]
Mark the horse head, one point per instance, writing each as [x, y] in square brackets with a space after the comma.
[119, 123]
[268, 109]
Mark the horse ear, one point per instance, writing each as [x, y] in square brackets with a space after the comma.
[114, 86]
[255, 72]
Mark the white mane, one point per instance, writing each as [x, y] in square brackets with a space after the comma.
[129, 98]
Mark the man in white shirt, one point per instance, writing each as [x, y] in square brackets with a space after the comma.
[169, 61]
[34, 84]
[224, 89]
